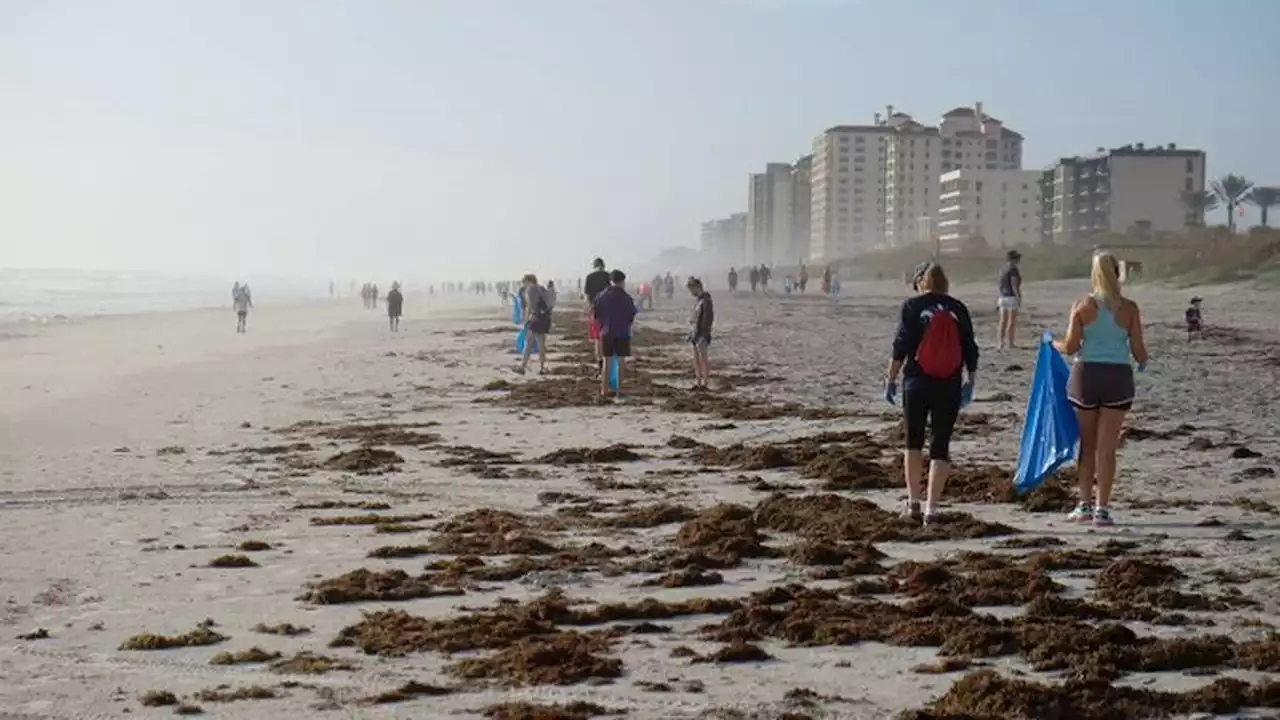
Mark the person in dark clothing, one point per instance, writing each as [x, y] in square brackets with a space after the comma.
[765, 276]
[754, 278]
[669, 286]
[702, 320]
[804, 278]
[733, 280]
[1010, 299]
[615, 311]
[1195, 319]
[597, 282]
[395, 307]
[934, 349]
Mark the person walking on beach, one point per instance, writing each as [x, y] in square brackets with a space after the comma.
[826, 281]
[804, 278]
[537, 319]
[373, 296]
[395, 306]
[615, 311]
[1104, 332]
[702, 320]
[934, 349]
[669, 286]
[1010, 299]
[597, 282]
[733, 280]
[765, 276]
[242, 301]
[1195, 318]
[754, 277]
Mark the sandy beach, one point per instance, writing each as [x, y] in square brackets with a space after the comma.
[447, 539]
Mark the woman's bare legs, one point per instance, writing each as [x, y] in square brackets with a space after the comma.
[938, 472]
[1110, 423]
[1086, 462]
[913, 469]
[1004, 327]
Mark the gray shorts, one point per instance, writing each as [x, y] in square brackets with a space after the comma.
[1101, 385]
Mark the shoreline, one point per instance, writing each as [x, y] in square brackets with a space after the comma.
[138, 467]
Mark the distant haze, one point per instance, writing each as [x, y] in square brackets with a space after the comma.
[484, 138]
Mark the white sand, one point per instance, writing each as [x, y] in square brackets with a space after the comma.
[91, 512]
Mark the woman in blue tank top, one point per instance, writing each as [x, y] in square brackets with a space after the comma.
[1105, 332]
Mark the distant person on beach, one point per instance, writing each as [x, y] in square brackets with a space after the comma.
[1195, 319]
[754, 277]
[395, 306]
[551, 295]
[597, 282]
[615, 311]
[537, 319]
[826, 281]
[765, 275]
[933, 349]
[733, 280]
[1104, 332]
[646, 291]
[702, 321]
[331, 288]
[804, 278]
[1010, 299]
[669, 286]
[373, 296]
[242, 302]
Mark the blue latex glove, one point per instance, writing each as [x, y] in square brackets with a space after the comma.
[891, 392]
[966, 394]
[1142, 368]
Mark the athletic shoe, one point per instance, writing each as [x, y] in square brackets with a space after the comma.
[911, 511]
[1082, 514]
[1102, 517]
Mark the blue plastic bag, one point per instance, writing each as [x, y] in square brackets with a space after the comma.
[523, 339]
[517, 309]
[1052, 434]
[615, 374]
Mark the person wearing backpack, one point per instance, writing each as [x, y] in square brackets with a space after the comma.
[537, 318]
[936, 353]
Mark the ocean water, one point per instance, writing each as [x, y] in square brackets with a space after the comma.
[48, 296]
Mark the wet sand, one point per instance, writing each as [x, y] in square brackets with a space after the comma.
[323, 518]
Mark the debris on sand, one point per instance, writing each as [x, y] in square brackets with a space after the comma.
[188, 709]
[564, 658]
[688, 577]
[1136, 433]
[730, 407]
[1030, 543]
[383, 434]
[408, 691]
[472, 456]
[343, 505]
[725, 532]
[942, 667]
[980, 586]
[387, 552]
[495, 522]
[199, 637]
[394, 633]
[254, 654]
[397, 528]
[858, 519]
[254, 546]
[578, 710]
[249, 692]
[987, 694]
[158, 698]
[37, 634]
[306, 663]
[680, 442]
[370, 519]
[170, 450]
[232, 561]
[836, 559]
[845, 460]
[1137, 581]
[510, 543]
[364, 460]
[594, 456]
[286, 629]
[649, 516]
[496, 386]
[364, 585]
[735, 652]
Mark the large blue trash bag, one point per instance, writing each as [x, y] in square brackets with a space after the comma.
[1051, 435]
[615, 374]
[517, 309]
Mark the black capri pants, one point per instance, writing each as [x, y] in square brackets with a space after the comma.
[935, 403]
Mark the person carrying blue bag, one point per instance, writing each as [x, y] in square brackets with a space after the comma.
[934, 349]
[1104, 332]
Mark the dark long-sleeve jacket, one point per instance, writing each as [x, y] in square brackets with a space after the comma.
[703, 317]
[911, 327]
[615, 310]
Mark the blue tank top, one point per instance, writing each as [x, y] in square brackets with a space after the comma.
[1105, 341]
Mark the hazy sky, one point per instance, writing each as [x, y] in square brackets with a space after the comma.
[419, 137]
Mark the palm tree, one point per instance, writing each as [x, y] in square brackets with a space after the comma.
[1265, 198]
[1198, 202]
[1232, 190]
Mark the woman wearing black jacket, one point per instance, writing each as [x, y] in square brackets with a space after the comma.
[702, 320]
[934, 349]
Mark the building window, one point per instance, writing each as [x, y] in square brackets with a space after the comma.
[1188, 184]
[978, 186]
[1190, 166]
[991, 143]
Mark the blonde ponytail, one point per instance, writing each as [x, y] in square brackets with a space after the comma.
[1106, 279]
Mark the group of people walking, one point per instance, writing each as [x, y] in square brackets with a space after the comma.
[935, 357]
